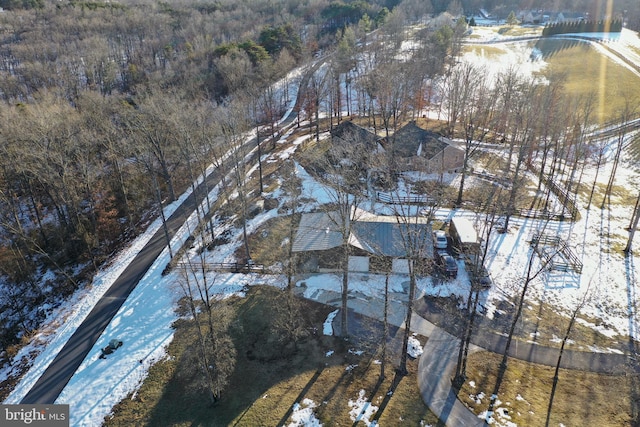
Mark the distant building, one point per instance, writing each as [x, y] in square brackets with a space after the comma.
[412, 148]
[348, 132]
[569, 17]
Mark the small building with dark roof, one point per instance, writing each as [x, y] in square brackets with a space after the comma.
[349, 132]
[412, 148]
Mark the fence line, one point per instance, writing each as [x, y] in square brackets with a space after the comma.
[541, 241]
[232, 267]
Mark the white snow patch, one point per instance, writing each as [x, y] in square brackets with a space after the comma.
[303, 415]
[414, 348]
[327, 328]
[362, 410]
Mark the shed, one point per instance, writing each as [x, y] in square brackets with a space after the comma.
[464, 236]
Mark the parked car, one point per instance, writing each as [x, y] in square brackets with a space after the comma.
[440, 239]
[485, 282]
[481, 279]
[446, 264]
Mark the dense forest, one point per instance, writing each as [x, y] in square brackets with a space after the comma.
[110, 109]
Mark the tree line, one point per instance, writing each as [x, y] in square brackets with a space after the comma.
[583, 27]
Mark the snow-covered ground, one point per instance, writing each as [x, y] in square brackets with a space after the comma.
[528, 62]
[608, 279]
[143, 322]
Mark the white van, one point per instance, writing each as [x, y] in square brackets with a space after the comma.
[440, 239]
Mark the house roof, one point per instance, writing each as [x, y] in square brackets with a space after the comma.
[412, 140]
[379, 235]
[318, 231]
[386, 238]
[350, 132]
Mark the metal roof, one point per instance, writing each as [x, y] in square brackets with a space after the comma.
[374, 234]
[317, 231]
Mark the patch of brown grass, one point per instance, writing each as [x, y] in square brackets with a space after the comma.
[270, 379]
[581, 399]
[588, 71]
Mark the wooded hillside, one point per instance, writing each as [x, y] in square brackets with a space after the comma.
[111, 108]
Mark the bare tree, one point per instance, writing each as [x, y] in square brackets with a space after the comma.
[148, 127]
[415, 231]
[197, 132]
[633, 225]
[234, 127]
[552, 128]
[508, 84]
[583, 301]
[530, 275]
[386, 87]
[289, 320]
[600, 150]
[581, 122]
[477, 275]
[474, 110]
[215, 355]
[458, 89]
[102, 116]
[292, 186]
[522, 135]
[622, 130]
[314, 96]
[385, 328]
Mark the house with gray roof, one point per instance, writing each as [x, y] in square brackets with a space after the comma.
[377, 242]
[349, 132]
[412, 148]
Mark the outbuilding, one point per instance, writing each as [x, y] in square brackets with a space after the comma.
[464, 236]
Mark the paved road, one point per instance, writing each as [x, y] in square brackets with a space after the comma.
[62, 368]
[435, 369]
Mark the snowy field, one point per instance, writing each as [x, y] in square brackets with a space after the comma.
[608, 280]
